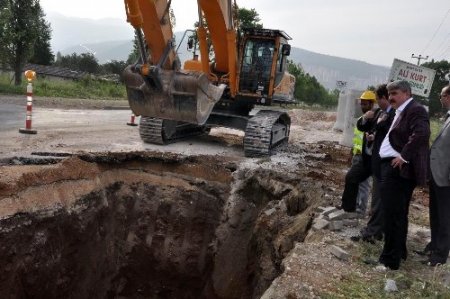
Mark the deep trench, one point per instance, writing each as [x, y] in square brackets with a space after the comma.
[139, 226]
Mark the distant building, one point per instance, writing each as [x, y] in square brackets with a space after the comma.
[49, 72]
[55, 72]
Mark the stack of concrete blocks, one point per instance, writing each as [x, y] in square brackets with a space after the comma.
[334, 219]
[348, 115]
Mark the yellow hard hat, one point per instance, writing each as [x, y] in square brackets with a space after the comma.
[368, 95]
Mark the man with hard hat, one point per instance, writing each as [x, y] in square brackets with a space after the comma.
[361, 168]
[374, 228]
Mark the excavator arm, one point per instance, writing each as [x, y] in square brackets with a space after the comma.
[218, 15]
[153, 20]
[156, 87]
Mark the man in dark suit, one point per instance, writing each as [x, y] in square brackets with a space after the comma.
[374, 228]
[403, 166]
[440, 189]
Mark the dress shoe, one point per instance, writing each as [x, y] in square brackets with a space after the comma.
[426, 251]
[364, 238]
[355, 238]
[367, 238]
[372, 238]
[370, 261]
[423, 252]
[431, 263]
[392, 266]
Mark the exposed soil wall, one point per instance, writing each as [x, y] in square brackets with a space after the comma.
[147, 226]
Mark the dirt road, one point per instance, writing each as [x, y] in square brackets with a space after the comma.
[73, 126]
[68, 127]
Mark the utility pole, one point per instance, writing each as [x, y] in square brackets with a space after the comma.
[419, 58]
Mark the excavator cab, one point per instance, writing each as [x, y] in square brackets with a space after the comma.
[263, 63]
[256, 66]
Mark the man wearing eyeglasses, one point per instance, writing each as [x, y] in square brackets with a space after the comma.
[440, 189]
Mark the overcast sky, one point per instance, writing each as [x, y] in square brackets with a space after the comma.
[372, 31]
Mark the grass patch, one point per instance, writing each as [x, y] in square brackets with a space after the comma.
[435, 126]
[86, 88]
[413, 280]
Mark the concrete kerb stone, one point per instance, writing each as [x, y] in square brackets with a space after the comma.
[337, 215]
[350, 222]
[270, 211]
[353, 215]
[320, 224]
[336, 225]
[334, 219]
[390, 286]
[329, 210]
[340, 253]
[320, 209]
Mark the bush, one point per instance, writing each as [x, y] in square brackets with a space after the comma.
[87, 88]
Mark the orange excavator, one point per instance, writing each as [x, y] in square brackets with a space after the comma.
[238, 71]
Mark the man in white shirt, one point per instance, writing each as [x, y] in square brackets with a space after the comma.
[403, 166]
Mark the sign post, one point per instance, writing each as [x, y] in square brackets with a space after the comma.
[420, 78]
[30, 75]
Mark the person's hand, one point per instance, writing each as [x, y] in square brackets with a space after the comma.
[369, 114]
[370, 137]
[382, 118]
[397, 162]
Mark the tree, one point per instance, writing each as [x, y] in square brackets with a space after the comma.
[85, 62]
[309, 90]
[248, 18]
[88, 63]
[20, 21]
[134, 56]
[442, 69]
[42, 53]
[114, 67]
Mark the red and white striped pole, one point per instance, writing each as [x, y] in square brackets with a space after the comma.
[132, 120]
[30, 75]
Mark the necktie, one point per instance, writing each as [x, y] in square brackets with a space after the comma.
[398, 117]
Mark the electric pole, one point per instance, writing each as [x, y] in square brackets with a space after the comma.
[419, 58]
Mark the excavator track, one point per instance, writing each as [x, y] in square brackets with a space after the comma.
[266, 130]
[162, 131]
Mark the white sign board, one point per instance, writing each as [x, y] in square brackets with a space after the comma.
[420, 78]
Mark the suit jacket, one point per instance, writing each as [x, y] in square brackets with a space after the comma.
[381, 129]
[440, 156]
[410, 137]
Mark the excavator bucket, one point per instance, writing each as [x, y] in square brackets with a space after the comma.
[174, 95]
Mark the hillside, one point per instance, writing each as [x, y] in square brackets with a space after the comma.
[111, 39]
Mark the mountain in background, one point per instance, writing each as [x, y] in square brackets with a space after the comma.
[111, 39]
[328, 69]
[68, 31]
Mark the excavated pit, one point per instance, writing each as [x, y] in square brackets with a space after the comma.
[140, 225]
